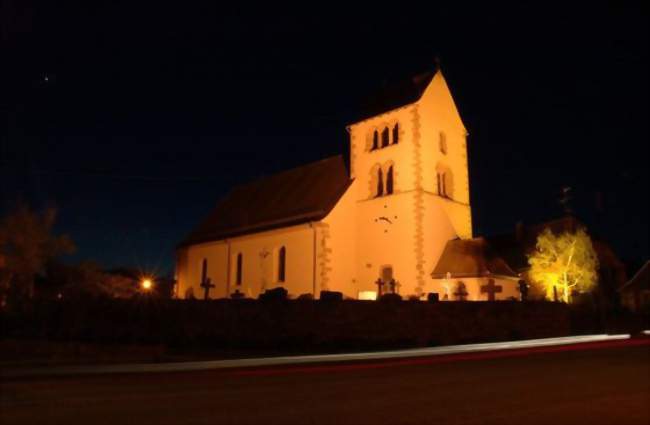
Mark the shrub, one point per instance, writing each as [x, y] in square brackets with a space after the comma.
[390, 297]
[331, 296]
[275, 294]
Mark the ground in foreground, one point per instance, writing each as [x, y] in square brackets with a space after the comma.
[602, 386]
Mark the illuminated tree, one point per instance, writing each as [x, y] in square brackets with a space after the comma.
[563, 263]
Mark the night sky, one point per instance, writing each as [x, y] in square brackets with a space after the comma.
[134, 121]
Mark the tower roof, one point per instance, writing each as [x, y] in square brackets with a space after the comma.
[396, 95]
[295, 196]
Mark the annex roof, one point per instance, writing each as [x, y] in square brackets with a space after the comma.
[471, 258]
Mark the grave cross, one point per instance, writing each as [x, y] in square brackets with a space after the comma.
[491, 289]
[461, 292]
[206, 283]
[392, 284]
[380, 287]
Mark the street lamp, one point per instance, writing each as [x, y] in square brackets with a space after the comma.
[146, 284]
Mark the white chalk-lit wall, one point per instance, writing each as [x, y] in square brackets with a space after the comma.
[408, 229]
[384, 223]
[319, 256]
[444, 151]
[509, 288]
[337, 250]
[260, 263]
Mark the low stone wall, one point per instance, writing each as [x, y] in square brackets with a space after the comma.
[295, 325]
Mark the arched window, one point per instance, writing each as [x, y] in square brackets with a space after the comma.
[380, 183]
[396, 134]
[240, 263]
[385, 137]
[282, 261]
[443, 177]
[442, 143]
[375, 141]
[389, 180]
[204, 270]
[445, 182]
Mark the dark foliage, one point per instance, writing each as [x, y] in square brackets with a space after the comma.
[390, 297]
[327, 296]
[275, 294]
[290, 325]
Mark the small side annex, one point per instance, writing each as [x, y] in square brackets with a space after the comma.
[470, 270]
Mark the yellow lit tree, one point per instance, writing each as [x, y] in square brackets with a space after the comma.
[563, 263]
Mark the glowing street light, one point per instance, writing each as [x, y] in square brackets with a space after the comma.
[146, 284]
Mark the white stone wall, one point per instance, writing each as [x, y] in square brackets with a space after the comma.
[382, 243]
[438, 114]
[438, 229]
[337, 253]
[259, 266]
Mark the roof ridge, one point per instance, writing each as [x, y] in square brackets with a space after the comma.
[287, 170]
[294, 196]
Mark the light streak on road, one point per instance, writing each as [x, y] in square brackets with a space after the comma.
[307, 359]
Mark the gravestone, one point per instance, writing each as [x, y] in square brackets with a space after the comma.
[237, 295]
[329, 296]
[206, 283]
[491, 289]
[380, 287]
[392, 285]
[433, 297]
[461, 292]
[275, 294]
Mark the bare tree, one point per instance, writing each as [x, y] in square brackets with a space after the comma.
[26, 245]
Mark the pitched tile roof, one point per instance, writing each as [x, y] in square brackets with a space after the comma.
[471, 258]
[295, 196]
[641, 280]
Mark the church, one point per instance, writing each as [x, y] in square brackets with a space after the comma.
[394, 218]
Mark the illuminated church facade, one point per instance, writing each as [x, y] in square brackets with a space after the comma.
[396, 217]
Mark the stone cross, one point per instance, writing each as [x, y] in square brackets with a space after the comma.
[392, 284]
[380, 287]
[491, 289]
[206, 283]
[461, 292]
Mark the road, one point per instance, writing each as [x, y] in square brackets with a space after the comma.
[593, 385]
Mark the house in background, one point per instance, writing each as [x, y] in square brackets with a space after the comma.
[635, 294]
